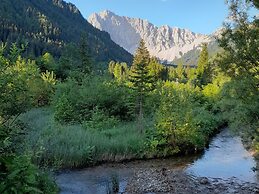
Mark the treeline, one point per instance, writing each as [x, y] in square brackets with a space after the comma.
[182, 73]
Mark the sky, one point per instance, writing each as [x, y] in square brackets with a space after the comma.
[200, 16]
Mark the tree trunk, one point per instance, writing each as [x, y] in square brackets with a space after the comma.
[140, 115]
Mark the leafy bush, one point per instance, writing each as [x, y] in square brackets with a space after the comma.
[17, 172]
[42, 89]
[183, 122]
[64, 110]
[100, 120]
[21, 176]
[75, 102]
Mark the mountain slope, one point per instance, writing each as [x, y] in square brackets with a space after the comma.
[166, 43]
[50, 24]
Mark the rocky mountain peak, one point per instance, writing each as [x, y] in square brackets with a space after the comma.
[165, 42]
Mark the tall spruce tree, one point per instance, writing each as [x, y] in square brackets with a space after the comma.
[203, 65]
[141, 81]
[86, 64]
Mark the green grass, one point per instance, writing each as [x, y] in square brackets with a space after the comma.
[67, 146]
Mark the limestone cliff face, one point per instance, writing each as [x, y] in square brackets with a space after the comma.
[166, 43]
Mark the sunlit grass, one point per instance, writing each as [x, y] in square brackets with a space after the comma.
[73, 146]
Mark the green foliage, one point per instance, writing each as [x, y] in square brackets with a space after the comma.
[119, 71]
[203, 59]
[17, 172]
[239, 40]
[14, 86]
[240, 105]
[140, 79]
[183, 124]
[190, 74]
[49, 77]
[85, 58]
[180, 72]
[48, 28]
[172, 74]
[68, 146]
[255, 3]
[239, 61]
[64, 111]
[46, 62]
[100, 120]
[42, 88]
[21, 176]
[15, 51]
[155, 69]
[91, 93]
[213, 90]
[68, 62]
[139, 75]
[203, 68]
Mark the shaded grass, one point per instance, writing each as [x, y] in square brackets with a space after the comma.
[67, 146]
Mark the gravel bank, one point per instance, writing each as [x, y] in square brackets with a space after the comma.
[166, 181]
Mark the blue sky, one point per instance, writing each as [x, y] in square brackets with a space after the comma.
[202, 16]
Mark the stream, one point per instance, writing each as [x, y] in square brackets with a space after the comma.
[226, 158]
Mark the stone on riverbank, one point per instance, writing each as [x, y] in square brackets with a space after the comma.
[178, 182]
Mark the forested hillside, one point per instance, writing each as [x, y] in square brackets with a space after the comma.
[48, 25]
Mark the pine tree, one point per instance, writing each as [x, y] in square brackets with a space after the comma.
[141, 81]
[202, 67]
[85, 57]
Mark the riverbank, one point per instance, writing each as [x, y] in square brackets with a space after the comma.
[225, 167]
[167, 181]
[72, 146]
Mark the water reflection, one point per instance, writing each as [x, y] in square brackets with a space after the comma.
[225, 158]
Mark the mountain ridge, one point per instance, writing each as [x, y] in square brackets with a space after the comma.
[48, 25]
[165, 42]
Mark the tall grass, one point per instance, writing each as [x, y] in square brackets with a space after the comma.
[69, 146]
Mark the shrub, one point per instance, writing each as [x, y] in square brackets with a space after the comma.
[183, 123]
[21, 176]
[17, 172]
[78, 101]
[100, 120]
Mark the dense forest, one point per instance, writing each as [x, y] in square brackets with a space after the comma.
[49, 26]
[58, 110]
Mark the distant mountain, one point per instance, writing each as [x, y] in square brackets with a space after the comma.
[166, 43]
[48, 25]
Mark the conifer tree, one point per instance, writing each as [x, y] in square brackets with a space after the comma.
[141, 81]
[202, 66]
[85, 57]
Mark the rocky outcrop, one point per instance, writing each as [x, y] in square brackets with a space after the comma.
[165, 42]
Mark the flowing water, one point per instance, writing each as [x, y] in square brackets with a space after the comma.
[225, 158]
